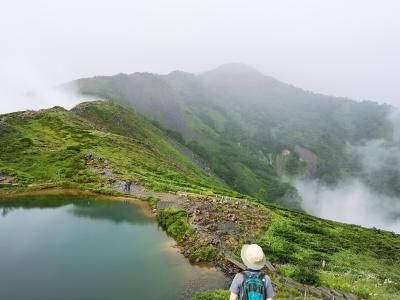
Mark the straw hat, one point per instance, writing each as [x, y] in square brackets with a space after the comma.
[253, 256]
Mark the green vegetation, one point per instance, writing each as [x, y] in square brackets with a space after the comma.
[152, 201]
[175, 222]
[358, 260]
[213, 295]
[80, 148]
[312, 251]
[364, 262]
[280, 292]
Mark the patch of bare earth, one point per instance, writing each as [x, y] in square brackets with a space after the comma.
[223, 223]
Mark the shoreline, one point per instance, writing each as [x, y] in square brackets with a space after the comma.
[205, 237]
[144, 208]
[169, 248]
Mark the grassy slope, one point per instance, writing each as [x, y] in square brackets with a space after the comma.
[365, 262]
[362, 261]
[359, 260]
[51, 146]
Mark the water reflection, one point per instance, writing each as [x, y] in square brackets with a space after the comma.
[116, 212]
[6, 210]
[62, 246]
[85, 206]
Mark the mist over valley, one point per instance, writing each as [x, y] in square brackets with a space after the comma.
[172, 149]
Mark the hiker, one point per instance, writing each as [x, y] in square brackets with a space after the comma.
[125, 187]
[129, 183]
[252, 284]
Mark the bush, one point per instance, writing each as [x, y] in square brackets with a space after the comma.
[207, 253]
[306, 275]
[152, 201]
[76, 148]
[175, 222]
[26, 142]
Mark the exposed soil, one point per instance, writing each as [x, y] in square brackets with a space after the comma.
[4, 179]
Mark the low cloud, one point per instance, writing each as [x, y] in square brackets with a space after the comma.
[352, 202]
[372, 201]
[23, 87]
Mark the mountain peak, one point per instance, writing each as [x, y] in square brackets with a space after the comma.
[235, 68]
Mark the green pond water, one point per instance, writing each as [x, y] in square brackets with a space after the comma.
[77, 247]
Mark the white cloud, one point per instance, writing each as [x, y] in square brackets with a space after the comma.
[23, 87]
[350, 202]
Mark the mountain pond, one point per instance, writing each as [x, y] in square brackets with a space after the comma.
[85, 247]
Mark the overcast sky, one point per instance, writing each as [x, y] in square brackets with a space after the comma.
[339, 47]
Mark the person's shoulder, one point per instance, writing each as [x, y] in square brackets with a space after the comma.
[239, 276]
[236, 283]
[267, 278]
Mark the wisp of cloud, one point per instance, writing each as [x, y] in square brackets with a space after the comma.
[352, 202]
[23, 87]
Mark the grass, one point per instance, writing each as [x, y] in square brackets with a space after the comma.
[213, 295]
[51, 147]
[175, 222]
[358, 260]
[361, 261]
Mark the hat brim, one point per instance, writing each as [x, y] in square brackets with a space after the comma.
[248, 264]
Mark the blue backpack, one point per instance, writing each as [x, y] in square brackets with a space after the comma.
[253, 287]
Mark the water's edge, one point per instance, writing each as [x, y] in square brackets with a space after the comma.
[171, 246]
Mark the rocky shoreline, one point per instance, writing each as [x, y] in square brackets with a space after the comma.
[215, 228]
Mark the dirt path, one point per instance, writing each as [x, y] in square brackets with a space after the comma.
[224, 223]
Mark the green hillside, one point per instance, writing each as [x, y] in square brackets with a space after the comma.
[330, 258]
[79, 148]
[98, 145]
[242, 122]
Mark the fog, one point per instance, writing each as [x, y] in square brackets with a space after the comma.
[350, 202]
[353, 201]
[340, 47]
[25, 88]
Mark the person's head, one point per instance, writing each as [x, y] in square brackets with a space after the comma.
[253, 257]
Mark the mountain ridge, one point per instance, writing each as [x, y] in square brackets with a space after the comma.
[93, 129]
[240, 121]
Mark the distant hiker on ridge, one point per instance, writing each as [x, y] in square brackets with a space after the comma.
[129, 183]
[252, 284]
[125, 187]
[129, 186]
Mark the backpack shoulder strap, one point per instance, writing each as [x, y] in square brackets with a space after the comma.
[245, 275]
[242, 292]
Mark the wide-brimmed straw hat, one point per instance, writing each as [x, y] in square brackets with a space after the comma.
[253, 256]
